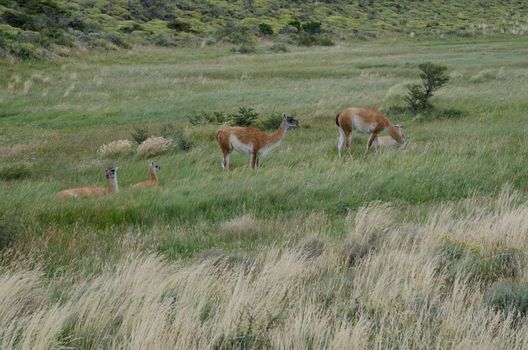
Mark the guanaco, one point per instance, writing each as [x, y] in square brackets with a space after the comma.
[153, 171]
[387, 141]
[364, 121]
[93, 191]
[252, 140]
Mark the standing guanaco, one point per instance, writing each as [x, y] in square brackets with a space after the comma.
[252, 140]
[364, 121]
[153, 171]
[92, 191]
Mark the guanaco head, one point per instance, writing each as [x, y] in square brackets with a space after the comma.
[111, 172]
[289, 122]
[400, 128]
[153, 167]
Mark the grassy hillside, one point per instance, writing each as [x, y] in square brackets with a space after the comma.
[418, 247]
[37, 29]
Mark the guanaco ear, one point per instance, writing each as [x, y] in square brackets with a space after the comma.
[284, 116]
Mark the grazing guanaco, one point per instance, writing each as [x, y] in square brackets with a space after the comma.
[252, 140]
[93, 191]
[364, 121]
[153, 171]
[387, 141]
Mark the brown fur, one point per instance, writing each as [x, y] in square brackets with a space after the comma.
[86, 191]
[368, 116]
[247, 135]
[147, 183]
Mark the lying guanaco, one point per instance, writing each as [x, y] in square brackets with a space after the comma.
[153, 171]
[364, 121]
[387, 141]
[252, 140]
[93, 191]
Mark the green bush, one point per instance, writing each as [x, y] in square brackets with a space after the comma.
[265, 29]
[279, 47]
[246, 116]
[311, 27]
[271, 123]
[479, 264]
[17, 171]
[140, 134]
[245, 49]
[433, 77]
[507, 296]
[179, 26]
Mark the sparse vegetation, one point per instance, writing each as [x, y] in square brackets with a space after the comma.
[433, 77]
[419, 247]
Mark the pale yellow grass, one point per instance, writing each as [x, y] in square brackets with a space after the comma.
[153, 146]
[282, 298]
[114, 148]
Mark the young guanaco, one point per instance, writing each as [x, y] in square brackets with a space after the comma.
[92, 191]
[365, 121]
[153, 171]
[252, 140]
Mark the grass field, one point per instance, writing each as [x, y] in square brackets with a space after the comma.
[401, 249]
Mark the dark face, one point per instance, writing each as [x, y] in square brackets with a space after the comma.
[111, 172]
[291, 122]
[154, 166]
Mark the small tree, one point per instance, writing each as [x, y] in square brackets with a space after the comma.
[265, 29]
[433, 77]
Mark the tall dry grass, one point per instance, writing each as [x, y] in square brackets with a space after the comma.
[304, 296]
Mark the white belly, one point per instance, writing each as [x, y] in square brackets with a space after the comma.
[240, 146]
[268, 148]
[362, 127]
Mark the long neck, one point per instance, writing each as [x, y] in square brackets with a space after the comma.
[394, 132]
[153, 177]
[112, 185]
[279, 134]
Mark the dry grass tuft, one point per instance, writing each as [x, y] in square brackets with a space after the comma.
[153, 146]
[241, 227]
[115, 148]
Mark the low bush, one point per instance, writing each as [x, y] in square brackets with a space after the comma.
[433, 77]
[139, 134]
[271, 123]
[479, 264]
[279, 47]
[179, 140]
[16, 171]
[265, 29]
[246, 116]
[507, 296]
[245, 49]
[154, 146]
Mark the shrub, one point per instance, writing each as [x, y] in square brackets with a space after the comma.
[246, 116]
[480, 264]
[311, 27]
[179, 26]
[179, 139]
[153, 146]
[139, 134]
[7, 234]
[507, 296]
[115, 148]
[265, 29]
[279, 47]
[433, 77]
[11, 172]
[245, 49]
[271, 123]
[234, 34]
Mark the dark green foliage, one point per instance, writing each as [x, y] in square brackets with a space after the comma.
[271, 123]
[179, 139]
[311, 27]
[507, 296]
[205, 118]
[279, 47]
[140, 134]
[15, 171]
[234, 33]
[265, 29]
[249, 335]
[433, 77]
[179, 26]
[246, 116]
[245, 49]
[7, 233]
[479, 264]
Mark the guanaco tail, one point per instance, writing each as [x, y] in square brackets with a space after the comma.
[252, 140]
[364, 121]
[92, 191]
[153, 171]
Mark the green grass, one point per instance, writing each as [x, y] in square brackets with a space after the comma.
[49, 135]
